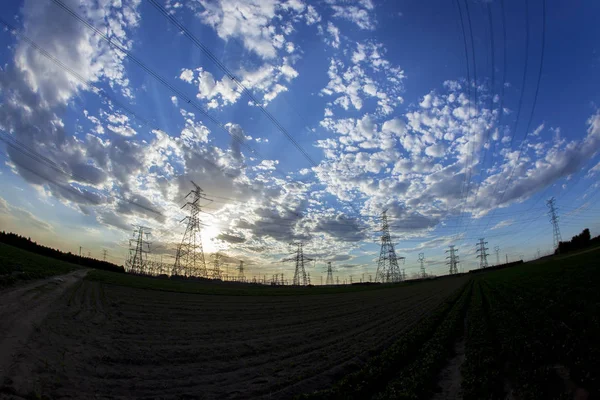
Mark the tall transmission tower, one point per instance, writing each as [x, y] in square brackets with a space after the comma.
[104, 254]
[482, 250]
[387, 267]
[241, 276]
[138, 250]
[452, 260]
[189, 260]
[497, 250]
[329, 280]
[554, 220]
[216, 272]
[300, 277]
[422, 261]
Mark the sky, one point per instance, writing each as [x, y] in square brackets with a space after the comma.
[301, 121]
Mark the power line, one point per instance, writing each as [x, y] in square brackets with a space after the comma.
[522, 92]
[232, 77]
[102, 93]
[188, 100]
[20, 147]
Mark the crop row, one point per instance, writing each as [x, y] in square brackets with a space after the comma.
[482, 368]
[549, 345]
[407, 368]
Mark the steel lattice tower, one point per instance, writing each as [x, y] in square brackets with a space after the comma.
[422, 261]
[329, 280]
[300, 277]
[387, 267]
[453, 260]
[497, 250]
[241, 276]
[482, 250]
[554, 220]
[216, 272]
[189, 260]
[138, 250]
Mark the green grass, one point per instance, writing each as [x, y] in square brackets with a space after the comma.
[224, 288]
[544, 316]
[21, 265]
[407, 369]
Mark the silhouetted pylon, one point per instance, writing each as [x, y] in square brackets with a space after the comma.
[138, 250]
[554, 220]
[189, 260]
[300, 277]
[329, 280]
[482, 250]
[241, 276]
[387, 267]
[452, 260]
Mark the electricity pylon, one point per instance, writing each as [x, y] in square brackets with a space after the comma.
[551, 203]
[422, 261]
[104, 254]
[329, 280]
[482, 250]
[387, 266]
[138, 250]
[497, 250]
[300, 277]
[241, 276]
[453, 260]
[189, 260]
[216, 272]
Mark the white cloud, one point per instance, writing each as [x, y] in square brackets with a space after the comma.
[361, 16]
[312, 16]
[93, 59]
[370, 75]
[594, 170]
[253, 22]
[503, 224]
[334, 35]
[538, 130]
[436, 150]
[187, 75]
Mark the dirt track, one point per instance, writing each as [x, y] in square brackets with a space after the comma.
[107, 341]
[22, 309]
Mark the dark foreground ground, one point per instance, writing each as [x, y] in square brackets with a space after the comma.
[527, 332]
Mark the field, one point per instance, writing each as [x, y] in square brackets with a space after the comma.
[526, 332]
[17, 264]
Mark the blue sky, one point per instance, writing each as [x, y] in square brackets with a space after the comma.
[366, 106]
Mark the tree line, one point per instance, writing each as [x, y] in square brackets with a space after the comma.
[26, 243]
[578, 242]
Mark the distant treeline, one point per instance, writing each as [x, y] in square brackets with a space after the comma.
[27, 244]
[499, 266]
[578, 242]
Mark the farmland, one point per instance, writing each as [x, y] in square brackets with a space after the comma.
[17, 264]
[528, 331]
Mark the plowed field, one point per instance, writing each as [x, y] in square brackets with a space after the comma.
[105, 341]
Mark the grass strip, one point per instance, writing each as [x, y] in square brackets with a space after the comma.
[210, 287]
[21, 265]
[481, 371]
[417, 380]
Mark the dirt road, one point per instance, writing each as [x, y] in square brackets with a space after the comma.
[22, 310]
